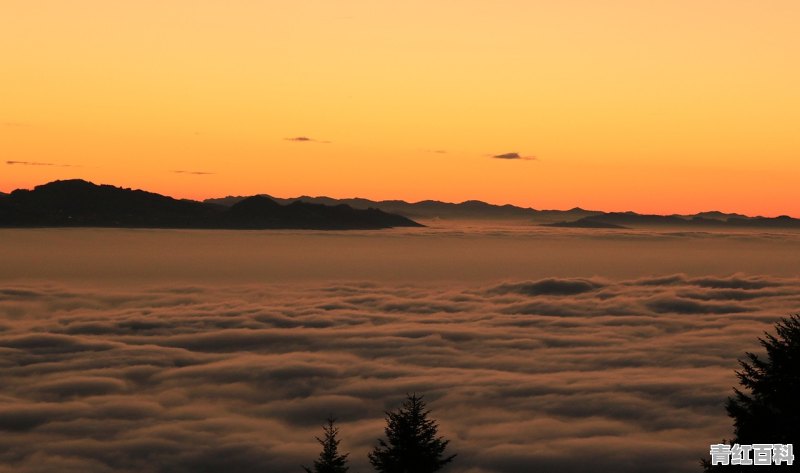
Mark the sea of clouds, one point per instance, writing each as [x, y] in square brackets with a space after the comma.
[546, 374]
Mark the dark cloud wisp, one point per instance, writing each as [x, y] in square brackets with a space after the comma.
[513, 156]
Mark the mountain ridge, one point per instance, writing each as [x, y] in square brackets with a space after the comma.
[433, 209]
[76, 202]
[80, 203]
[629, 219]
[575, 217]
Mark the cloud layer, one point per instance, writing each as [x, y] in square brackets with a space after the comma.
[559, 373]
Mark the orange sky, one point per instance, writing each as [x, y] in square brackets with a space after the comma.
[658, 106]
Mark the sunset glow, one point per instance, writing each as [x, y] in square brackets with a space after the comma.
[663, 107]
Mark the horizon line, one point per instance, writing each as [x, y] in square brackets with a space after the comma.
[576, 207]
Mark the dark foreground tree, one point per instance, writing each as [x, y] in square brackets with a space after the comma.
[412, 444]
[766, 410]
[330, 460]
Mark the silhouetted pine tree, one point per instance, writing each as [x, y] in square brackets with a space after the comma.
[411, 444]
[330, 460]
[767, 408]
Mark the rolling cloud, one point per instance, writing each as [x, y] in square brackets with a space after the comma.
[558, 373]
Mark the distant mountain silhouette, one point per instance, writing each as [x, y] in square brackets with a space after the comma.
[715, 215]
[711, 220]
[263, 212]
[573, 218]
[433, 209]
[78, 203]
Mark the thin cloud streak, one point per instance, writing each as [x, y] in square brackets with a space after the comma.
[196, 173]
[37, 163]
[305, 139]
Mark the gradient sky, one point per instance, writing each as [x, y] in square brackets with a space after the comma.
[661, 106]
